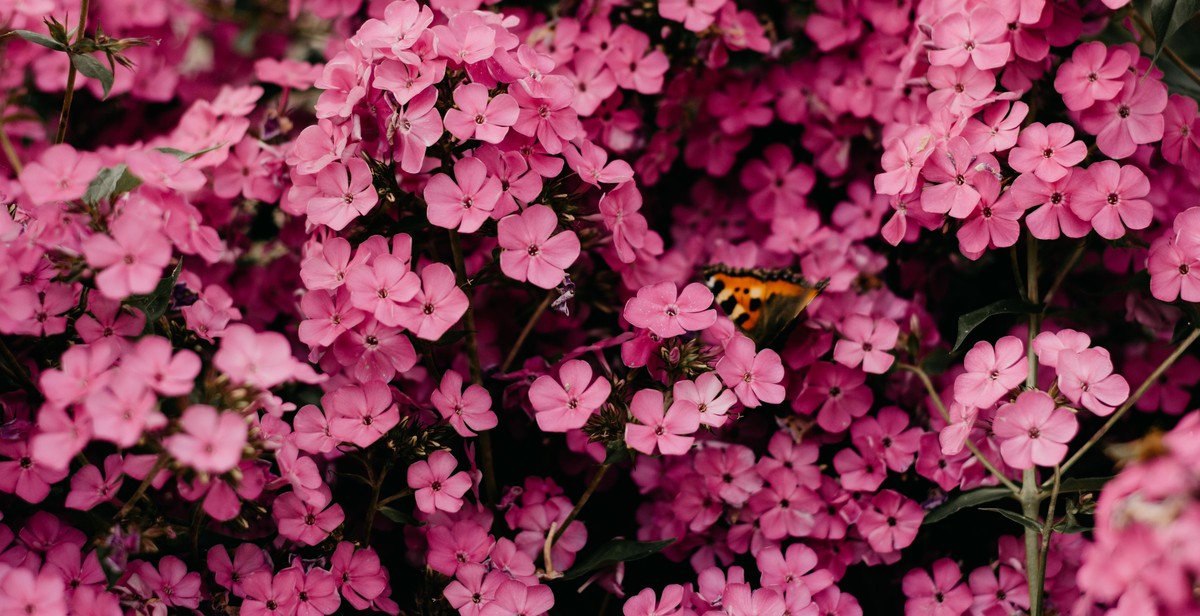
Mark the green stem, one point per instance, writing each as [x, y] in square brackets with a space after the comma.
[485, 437]
[941, 407]
[1047, 531]
[69, 95]
[18, 370]
[395, 497]
[159, 464]
[1033, 556]
[373, 508]
[1072, 261]
[529, 325]
[9, 151]
[1137, 394]
[587, 494]
[1031, 293]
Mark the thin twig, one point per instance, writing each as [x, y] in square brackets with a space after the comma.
[1148, 32]
[9, 151]
[1076, 255]
[1137, 394]
[69, 95]
[529, 325]
[159, 464]
[587, 494]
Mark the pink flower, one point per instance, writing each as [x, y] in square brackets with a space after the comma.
[994, 223]
[358, 574]
[465, 202]
[165, 171]
[437, 306]
[629, 227]
[976, 37]
[361, 414]
[754, 377]
[902, 162]
[343, 192]
[645, 604]
[271, 595]
[1050, 345]
[836, 393]
[1133, 117]
[382, 287]
[566, 403]
[666, 432]
[707, 396]
[468, 411]
[232, 574]
[473, 590]
[1086, 377]
[317, 594]
[418, 126]
[437, 486]
[23, 592]
[797, 569]
[308, 523]
[25, 476]
[1032, 431]
[477, 117]
[1092, 74]
[590, 161]
[891, 521]
[211, 441]
[90, 487]
[515, 597]
[132, 256]
[991, 372]
[466, 40]
[263, 360]
[172, 583]
[785, 507]
[695, 15]
[888, 435]
[955, 168]
[667, 313]
[1047, 151]
[867, 342]
[1174, 273]
[1112, 200]
[401, 27]
[1054, 216]
[531, 249]
[327, 316]
[942, 594]
[59, 174]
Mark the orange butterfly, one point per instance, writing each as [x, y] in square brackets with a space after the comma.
[761, 302]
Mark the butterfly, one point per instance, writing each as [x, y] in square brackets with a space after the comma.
[761, 302]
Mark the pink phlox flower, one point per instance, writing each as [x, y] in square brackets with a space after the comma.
[729, 473]
[547, 112]
[327, 265]
[32, 592]
[867, 342]
[959, 90]
[170, 374]
[590, 161]
[1094, 73]
[837, 395]
[261, 359]
[997, 128]
[785, 508]
[706, 394]
[132, 256]
[994, 223]
[890, 522]
[1112, 201]
[1086, 378]
[1047, 151]
[567, 402]
[465, 40]
[165, 171]
[860, 471]
[402, 25]
[1053, 216]
[695, 16]
[795, 569]
[1004, 588]
[379, 289]
[476, 116]
[362, 414]
[902, 161]
[469, 411]
[668, 313]
[532, 251]
[60, 174]
[305, 522]
[1050, 345]
[1174, 272]
[455, 544]
[171, 582]
[888, 434]
[1133, 117]
[942, 594]
[210, 441]
[619, 209]
[437, 306]
[473, 590]
[327, 315]
[667, 432]
[755, 377]
[414, 128]
[437, 487]
[1181, 144]
[645, 603]
[107, 319]
[777, 183]
[343, 192]
[90, 486]
[1033, 431]
[634, 63]
[514, 597]
[975, 37]
[124, 408]
[991, 372]
[358, 574]
[271, 594]
[464, 202]
[954, 169]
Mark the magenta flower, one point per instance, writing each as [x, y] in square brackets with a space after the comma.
[342, 193]
[1174, 273]
[379, 289]
[706, 394]
[976, 37]
[1047, 151]
[327, 316]
[437, 487]
[211, 441]
[902, 162]
[1086, 378]
[261, 359]
[695, 15]
[59, 174]
[646, 604]
[475, 116]
[798, 568]
[24, 592]
[131, 258]
[165, 171]
[417, 127]
[270, 594]
[361, 414]
[754, 377]
[1133, 117]
[629, 227]
[836, 393]
[464, 202]
[785, 507]
[307, 523]
[890, 522]
[1050, 345]
[942, 594]
[531, 249]
[171, 582]
[888, 434]
[1093, 74]
[473, 590]
[399, 30]
[1033, 431]
[24, 476]
[468, 411]
[90, 487]
[1112, 200]
[358, 574]
[1054, 217]
[514, 597]
[668, 313]
[590, 161]
[954, 167]
[567, 402]
[994, 223]
[991, 372]
[867, 342]
[667, 432]
[437, 306]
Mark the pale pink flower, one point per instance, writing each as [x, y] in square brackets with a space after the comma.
[464, 202]
[667, 432]
[532, 251]
[1032, 431]
[437, 486]
[211, 441]
[475, 116]
[437, 306]
[867, 341]
[1086, 378]
[754, 377]
[567, 402]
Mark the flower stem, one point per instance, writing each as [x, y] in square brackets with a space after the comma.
[1033, 554]
[69, 95]
[9, 151]
[941, 407]
[587, 494]
[529, 325]
[485, 437]
[1072, 261]
[373, 509]
[1047, 530]
[1137, 394]
[159, 464]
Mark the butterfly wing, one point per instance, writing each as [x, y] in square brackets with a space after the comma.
[762, 303]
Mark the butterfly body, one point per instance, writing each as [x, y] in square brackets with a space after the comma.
[761, 302]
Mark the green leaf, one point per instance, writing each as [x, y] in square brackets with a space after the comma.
[966, 500]
[155, 304]
[613, 552]
[1083, 484]
[186, 156]
[936, 362]
[40, 39]
[399, 517]
[1016, 517]
[95, 69]
[968, 322]
[1167, 17]
[111, 181]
